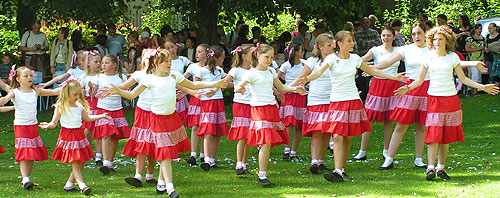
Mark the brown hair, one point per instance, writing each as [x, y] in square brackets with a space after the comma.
[340, 36]
[14, 84]
[417, 24]
[218, 52]
[446, 32]
[170, 40]
[321, 40]
[393, 32]
[237, 57]
[291, 51]
[161, 56]
[118, 65]
[261, 49]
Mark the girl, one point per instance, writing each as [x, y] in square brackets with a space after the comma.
[318, 100]
[72, 146]
[89, 82]
[213, 123]
[475, 46]
[292, 110]
[380, 100]
[29, 145]
[444, 114]
[490, 38]
[130, 64]
[266, 128]
[242, 62]
[110, 131]
[168, 137]
[346, 116]
[193, 117]
[75, 70]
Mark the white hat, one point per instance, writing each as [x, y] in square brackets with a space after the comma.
[145, 35]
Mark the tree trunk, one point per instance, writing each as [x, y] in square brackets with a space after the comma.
[206, 17]
[26, 15]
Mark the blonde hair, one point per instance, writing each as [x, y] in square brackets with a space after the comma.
[15, 84]
[261, 49]
[238, 58]
[161, 56]
[89, 57]
[446, 32]
[321, 40]
[340, 36]
[63, 98]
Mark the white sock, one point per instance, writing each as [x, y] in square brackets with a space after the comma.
[98, 156]
[149, 176]
[430, 167]
[170, 188]
[314, 162]
[320, 161]
[342, 170]
[162, 184]
[68, 184]
[361, 154]
[193, 154]
[25, 179]
[287, 150]
[82, 186]
[239, 164]
[293, 153]
[331, 145]
[138, 176]
[339, 170]
[387, 162]
[262, 175]
[202, 155]
[384, 152]
[211, 161]
[244, 165]
[440, 166]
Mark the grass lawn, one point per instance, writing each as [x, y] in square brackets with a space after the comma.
[473, 167]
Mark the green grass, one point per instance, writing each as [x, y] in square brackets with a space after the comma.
[473, 166]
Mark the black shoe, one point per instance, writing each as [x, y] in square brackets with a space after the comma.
[86, 191]
[205, 166]
[214, 166]
[173, 194]
[330, 149]
[202, 159]
[28, 185]
[286, 156]
[443, 175]
[133, 181]
[314, 169]
[294, 158]
[240, 171]
[266, 183]
[322, 167]
[160, 192]
[430, 175]
[333, 177]
[72, 189]
[346, 177]
[247, 172]
[151, 181]
[357, 159]
[112, 170]
[98, 163]
[387, 168]
[423, 166]
[191, 160]
[104, 170]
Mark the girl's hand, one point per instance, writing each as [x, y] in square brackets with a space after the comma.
[301, 90]
[364, 74]
[45, 125]
[41, 85]
[401, 78]
[280, 96]
[491, 89]
[221, 84]
[179, 94]
[240, 90]
[108, 91]
[197, 94]
[210, 93]
[401, 91]
[302, 80]
[106, 116]
[481, 67]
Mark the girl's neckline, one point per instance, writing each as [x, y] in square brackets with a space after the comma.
[337, 55]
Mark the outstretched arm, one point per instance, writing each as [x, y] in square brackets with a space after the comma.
[91, 118]
[286, 88]
[306, 71]
[54, 80]
[375, 72]
[124, 93]
[7, 109]
[201, 85]
[4, 86]
[6, 98]
[314, 75]
[55, 119]
[478, 64]
[490, 88]
[405, 89]
[388, 62]
[49, 92]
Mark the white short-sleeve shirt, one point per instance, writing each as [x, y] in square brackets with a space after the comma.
[291, 73]
[72, 117]
[380, 54]
[85, 80]
[342, 72]
[112, 102]
[145, 99]
[180, 64]
[320, 88]
[193, 69]
[75, 72]
[414, 59]
[440, 70]
[261, 86]
[205, 75]
[237, 73]
[162, 91]
[25, 105]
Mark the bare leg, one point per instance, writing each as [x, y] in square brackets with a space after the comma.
[98, 146]
[240, 149]
[387, 134]
[289, 131]
[324, 144]
[26, 166]
[265, 151]
[296, 139]
[151, 165]
[106, 148]
[365, 138]
[443, 153]
[419, 140]
[338, 151]
[211, 145]
[140, 160]
[77, 171]
[88, 134]
[347, 148]
[245, 153]
[432, 150]
[166, 168]
[113, 148]
[397, 138]
[194, 139]
[316, 144]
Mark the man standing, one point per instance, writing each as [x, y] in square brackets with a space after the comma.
[373, 19]
[34, 44]
[115, 43]
[231, 35]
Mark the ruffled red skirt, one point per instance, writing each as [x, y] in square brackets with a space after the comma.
[292, 110]
[194, 111]
[266, 127]
[444, 120]
[241, 122]
[1, 150]
[72, 145]
[93, 111]
[412, 107]
[380, 101]
[213, 119]
[117, 127]
[315, 118]
[29, 145]
[181, 106]
[347, 118]
[138, 132]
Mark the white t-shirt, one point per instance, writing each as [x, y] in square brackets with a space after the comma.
[440, 70]
[414, 59]
[190, 54]
[261, 86]
[25, 105]
[179, 64]
[274, 65]
[112, 102]
[208, 76]
[84, 81]
[320, 88]
[72, 117]
[31, 39]
[162, 92]
[380, 54]
[237, 73]
[193, 69]
[291, 73]
[76, 72]
[342, 72]
[145, 98]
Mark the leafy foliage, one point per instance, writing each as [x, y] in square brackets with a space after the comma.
[9, 37]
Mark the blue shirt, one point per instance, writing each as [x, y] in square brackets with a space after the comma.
[115, 44]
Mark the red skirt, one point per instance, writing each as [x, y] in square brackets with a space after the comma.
[72, 145]
[29, 145]
[292, 110]
[266, 127]
[181, 106]
[347, 118]
[444, 120]
[1, 150]
[240, 123]
[117, 127]
[139, 131]
[167, 139]
[412, 107]
[213, 119]
[315, 118]
[93, 111]
[194, 110]
[380, 101]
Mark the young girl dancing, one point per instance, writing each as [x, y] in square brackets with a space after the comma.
[266, 129]
[168, 137]
[72, 146]
[75, 70]
[346, 116]
[444, 114]
[292, 110]
[29, 145]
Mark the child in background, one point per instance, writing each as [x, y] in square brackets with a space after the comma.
[76, 70]
[5, 68]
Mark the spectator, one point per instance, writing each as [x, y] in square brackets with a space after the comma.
[373, 20]
[101, 45]
[193, 32]
[232, 34]
[130, 63]
[300, 38]
[146, 29]
[190, 49]
[442, 20]
[310, 38]
[133, 38]
[348, 26]
[101, 29]
[278, 57]
[474, 46]
[5, 67]
[61, 52]
[115, 43]
[155, 41]
[78, 42]
[423, 18]
[429, 24]
[493, 35]
[283, 39]
[257, 36]
[357, 26]
[34, 44]
[146, 42]
[396, 25]
[366, 38]
[296, 32]
[462, 32]
[242, 36]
